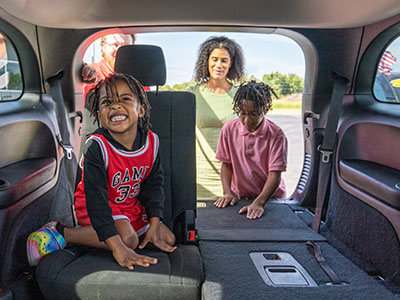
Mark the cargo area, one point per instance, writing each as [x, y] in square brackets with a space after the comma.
[268, 258]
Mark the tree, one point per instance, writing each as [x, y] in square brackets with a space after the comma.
[177, 87]
[284, 84]
[281, 83]
[296, 83]
[276, 81]
[14, 81]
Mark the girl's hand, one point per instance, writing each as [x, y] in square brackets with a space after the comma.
[153, 235]
[126, 257]
[225, 200]
[254, 210]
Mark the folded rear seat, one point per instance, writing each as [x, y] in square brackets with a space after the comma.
[86, 273]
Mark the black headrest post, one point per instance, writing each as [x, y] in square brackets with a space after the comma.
[144, 62]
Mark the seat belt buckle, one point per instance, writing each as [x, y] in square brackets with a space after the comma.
[192, 236]
[326, 154]
[67, 148]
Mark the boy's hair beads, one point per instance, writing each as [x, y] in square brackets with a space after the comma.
[109, 84]
[258, 92]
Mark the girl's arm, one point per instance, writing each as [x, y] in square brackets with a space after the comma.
[256, 209]
[152, 195]
[125, 256]
[100, 213]
[95, 183]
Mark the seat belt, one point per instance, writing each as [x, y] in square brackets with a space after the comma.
[322, 262]
[56, 93]
[63, 137]
[328, 145]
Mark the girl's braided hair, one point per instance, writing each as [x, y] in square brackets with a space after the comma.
[110, 85]
[236, 70]
[258, 92]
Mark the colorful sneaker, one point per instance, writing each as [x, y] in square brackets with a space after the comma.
[42, 242]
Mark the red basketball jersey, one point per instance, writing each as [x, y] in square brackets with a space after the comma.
[126, 170]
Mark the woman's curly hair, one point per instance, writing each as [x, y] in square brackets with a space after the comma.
[109, 83]
[236, 70]
[258, 92]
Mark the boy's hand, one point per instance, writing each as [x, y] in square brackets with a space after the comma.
[225, 200]
[126, 257]
[254, 210]
[153, 235]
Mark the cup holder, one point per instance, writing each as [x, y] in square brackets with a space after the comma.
[3, 184]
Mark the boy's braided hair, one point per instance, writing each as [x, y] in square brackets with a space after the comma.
[109, 83]
[258, 92]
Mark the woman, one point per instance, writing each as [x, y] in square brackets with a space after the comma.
[219, 65]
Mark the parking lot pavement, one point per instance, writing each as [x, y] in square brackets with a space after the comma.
[290, 122]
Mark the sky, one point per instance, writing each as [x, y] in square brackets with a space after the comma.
[264, 53]
[394, 48]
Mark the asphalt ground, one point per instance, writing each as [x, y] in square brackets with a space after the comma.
[290, 122]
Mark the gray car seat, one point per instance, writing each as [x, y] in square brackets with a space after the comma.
[87, 273]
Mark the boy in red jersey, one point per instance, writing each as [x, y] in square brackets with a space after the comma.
[120, 196]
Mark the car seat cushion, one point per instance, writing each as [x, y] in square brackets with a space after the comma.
[79, 273]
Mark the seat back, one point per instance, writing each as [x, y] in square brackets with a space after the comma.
[173, 119]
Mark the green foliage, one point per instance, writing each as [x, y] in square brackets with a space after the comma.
[281, 83]
[286, 104]
[177, 87]
[14, 81]
[284, 84]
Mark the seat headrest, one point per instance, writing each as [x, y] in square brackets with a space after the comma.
[144, 62]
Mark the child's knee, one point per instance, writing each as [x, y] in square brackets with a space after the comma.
[170, 239]
[131, 240]
[167, 235]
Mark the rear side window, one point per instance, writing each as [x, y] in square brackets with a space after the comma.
[10, 71]
[387, 80]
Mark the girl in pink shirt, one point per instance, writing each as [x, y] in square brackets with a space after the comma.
[253, 151]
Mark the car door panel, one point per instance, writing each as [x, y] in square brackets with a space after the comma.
[377, 180]
[364, 207]
[29, 150]
[31, 172]
[366, 163]
[29, 168]
[23, 177]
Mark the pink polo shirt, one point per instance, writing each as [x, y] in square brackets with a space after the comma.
[253, 155]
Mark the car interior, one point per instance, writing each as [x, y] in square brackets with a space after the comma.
[337, 236]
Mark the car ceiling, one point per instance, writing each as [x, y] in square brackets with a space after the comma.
[273, 13]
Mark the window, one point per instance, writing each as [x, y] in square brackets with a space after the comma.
[273, 59]
[10, 72]
[387, 80]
